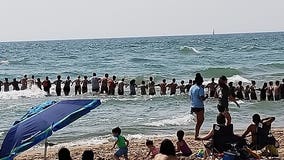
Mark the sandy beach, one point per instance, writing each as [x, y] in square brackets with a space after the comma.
[137, 148]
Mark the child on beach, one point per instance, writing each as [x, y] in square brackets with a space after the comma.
[122, 144]
[182, 145]
[153, 151]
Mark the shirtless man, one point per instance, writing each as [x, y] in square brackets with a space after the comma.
[163, 87]
[172, 87]
[188, 86]
[15, 85]
[151, 86]
[24, 83]
[212, 88]
[252, 128]
[6, 85]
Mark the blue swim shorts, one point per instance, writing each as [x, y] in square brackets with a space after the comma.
[122, 151]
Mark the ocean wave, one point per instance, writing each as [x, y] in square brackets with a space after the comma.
[174, 121]
[250, 48]
[217, 72]
[187, 49]
[34, 92]
[207, 49]
[141, 60]
[272, 65]
[236, 78]
[4, 62]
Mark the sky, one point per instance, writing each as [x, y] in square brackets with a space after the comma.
[22, 20]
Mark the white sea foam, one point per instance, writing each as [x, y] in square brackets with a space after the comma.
[4, 62]
[236, 78]
[174, 121]
[188, 49]
[34, 92]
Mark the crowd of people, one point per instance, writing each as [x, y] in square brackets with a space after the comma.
[106, 85]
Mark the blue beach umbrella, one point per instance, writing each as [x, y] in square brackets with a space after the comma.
[39, 126]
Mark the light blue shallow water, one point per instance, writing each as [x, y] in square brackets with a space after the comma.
[257, 57]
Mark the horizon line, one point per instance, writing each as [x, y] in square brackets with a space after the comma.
[149, 36]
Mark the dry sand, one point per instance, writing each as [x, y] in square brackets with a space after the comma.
[137, 148]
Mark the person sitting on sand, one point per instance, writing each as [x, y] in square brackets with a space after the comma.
[153, 151]
[167, 151]
[182, 145]
[64, 154]
[255, 128]
[122, 144]
[88, 155]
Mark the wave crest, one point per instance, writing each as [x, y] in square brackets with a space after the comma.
[217, 72]
[188, 49]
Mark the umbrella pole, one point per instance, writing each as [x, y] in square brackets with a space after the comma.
[45, 148]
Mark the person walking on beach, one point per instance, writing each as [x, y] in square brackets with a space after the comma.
[77, 85]
[151, 86]
[212, 88]
[122, 144]
[197, 96]
[66, 88]
[58, 85]
[46, 85]
[223, 99]
[95, 83]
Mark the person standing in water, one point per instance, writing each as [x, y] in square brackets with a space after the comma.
[77, 85]
[196, 97]
[269, 92]
[252, 91]
[66, 88]
[151, 86]
[120, 89]
[143, 88]
[112, 84]
[31, 82]
[188, 86]
[224, 97]
[212, 88]
[46, 85]
[172, 87]
[38, 83]
[58, 85]
[24, 83]
[132, 86]
[15, 85]
[104, 83]
[95, 83]
[182, 87]
[282, 89]
[6, 85]
[277, 91]
[163, 87]
[85, 85]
